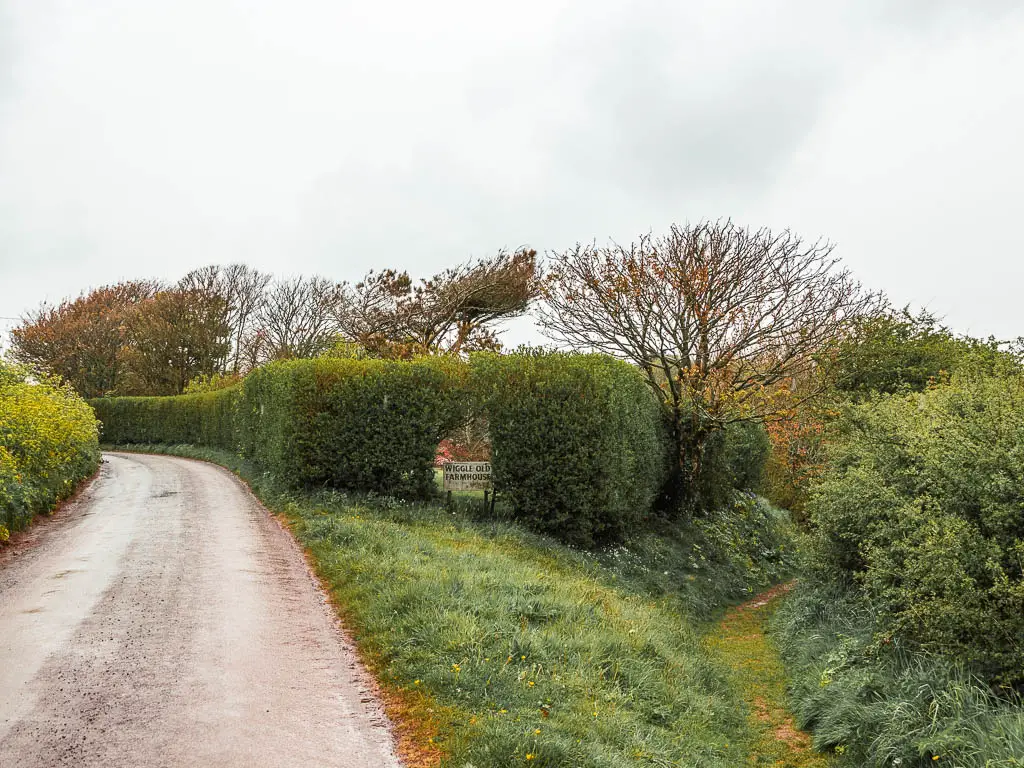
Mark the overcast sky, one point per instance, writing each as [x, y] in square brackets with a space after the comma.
[147, 137]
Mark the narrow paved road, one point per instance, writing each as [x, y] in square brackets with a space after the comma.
[170, 621]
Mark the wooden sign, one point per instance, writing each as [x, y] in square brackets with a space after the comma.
[467, 475]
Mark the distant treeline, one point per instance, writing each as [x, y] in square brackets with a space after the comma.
[146, 337]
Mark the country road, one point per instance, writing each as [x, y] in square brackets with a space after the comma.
[167, 620]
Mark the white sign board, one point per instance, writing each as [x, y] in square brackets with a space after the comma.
[467, 475]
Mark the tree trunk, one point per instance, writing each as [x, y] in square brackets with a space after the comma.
[685, 493]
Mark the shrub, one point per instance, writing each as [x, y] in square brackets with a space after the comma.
[48, 444]
[578, 448]
[796, 458]
[212, 383]
[206, 418]
[734, 459]
[923, 505]
[370, 425]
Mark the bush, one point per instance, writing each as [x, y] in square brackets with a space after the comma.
[578, 448]
[370, 425]
[734, 459]
[207, 418]
[923, 505]
[48, 444]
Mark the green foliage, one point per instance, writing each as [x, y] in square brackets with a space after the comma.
[734, 458]
[206, 418]
[720, 558]
[578, 448]
[882, 705]
[901, 352]
[370, 425]
[923, 506]
[342, 348]
[211, 383]
[48, 445]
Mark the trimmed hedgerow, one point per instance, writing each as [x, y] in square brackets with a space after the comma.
[369, 425]
[207, 418]
[48, 445]
[578, 446]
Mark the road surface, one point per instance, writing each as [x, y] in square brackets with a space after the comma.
[168, 620]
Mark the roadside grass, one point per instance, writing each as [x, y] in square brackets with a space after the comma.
[497, 647]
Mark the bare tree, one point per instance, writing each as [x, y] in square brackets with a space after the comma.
[246, 288]
[298, 317]
[713, 314]
[242, 289]
[455, 311]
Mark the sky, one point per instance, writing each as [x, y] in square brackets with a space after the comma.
[144, 138]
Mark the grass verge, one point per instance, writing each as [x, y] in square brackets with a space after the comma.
[497, 647]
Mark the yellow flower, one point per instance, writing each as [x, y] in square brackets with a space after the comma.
[935, 757]
[531, 683]
[415, 682]
[536, 731]
[529, 756]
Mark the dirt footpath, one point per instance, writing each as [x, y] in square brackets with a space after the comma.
[170, 621]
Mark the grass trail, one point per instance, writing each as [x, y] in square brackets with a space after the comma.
[757, 673]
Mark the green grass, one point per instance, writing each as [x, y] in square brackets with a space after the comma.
[520, 651]
[877, 704]
[758, 673]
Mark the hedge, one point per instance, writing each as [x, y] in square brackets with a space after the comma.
[48, 445]
[578, 445]
[921, 507]
[207, 418]
[370, 425]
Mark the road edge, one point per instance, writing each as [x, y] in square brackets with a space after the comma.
[412, 746]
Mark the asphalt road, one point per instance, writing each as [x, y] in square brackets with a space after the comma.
[167, 620]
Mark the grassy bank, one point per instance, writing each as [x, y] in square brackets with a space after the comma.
[498, 647]
[876, 703]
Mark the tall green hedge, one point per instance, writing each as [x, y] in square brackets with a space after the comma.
[370, 425]
[578, 443]
[578, 446]
[207, 418]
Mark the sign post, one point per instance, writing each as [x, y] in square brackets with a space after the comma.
[469, 476]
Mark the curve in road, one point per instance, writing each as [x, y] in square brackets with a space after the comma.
[169, 620]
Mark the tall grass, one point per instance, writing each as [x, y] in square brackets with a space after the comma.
[879, 704]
